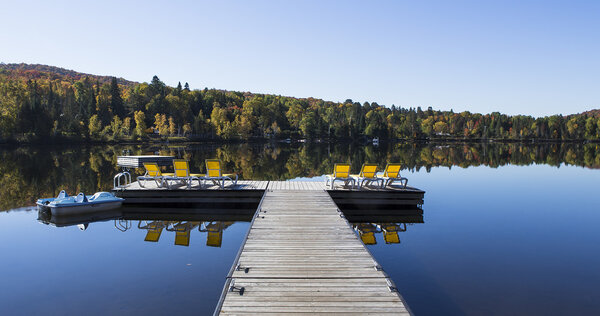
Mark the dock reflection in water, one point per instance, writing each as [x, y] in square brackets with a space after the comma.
[106, 263]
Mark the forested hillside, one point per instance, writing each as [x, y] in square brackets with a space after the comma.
[43, 102]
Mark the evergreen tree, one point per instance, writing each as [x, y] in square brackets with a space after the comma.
[157, 87]
[116, 102]
[56, 104]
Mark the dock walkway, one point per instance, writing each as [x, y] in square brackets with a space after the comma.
[301, 256]
[243, 185]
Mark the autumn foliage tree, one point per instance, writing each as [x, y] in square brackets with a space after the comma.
[37, 103]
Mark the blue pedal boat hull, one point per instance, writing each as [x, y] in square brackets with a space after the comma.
[71, 205]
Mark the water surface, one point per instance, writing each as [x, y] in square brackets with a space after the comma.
[508, 241]
[506, 229]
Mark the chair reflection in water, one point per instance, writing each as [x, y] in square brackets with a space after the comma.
[390, 232]
[367, 231]
[154, 228]
[183, 230]
[214, 233]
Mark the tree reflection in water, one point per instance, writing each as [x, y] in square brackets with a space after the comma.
[30, 172]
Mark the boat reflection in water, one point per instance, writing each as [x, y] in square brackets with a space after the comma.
[175, 221]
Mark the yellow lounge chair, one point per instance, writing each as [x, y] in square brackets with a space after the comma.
[341, 171]
[392, 173]
[153, 173]
[368, 174]
[182, 174]
[214, 173]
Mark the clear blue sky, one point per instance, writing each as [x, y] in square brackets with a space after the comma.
[537, 57]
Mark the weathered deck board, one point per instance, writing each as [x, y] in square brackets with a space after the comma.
[301, 256]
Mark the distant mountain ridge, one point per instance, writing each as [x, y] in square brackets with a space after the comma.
[38, 71]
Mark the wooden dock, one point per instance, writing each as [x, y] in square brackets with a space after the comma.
[150, 186]
[302, 256]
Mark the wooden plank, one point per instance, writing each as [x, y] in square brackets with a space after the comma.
[350, 308]
[268, 298]
[324, 304]
[301, 256]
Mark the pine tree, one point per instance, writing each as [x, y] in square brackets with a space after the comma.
[157, 87]
[116, 102]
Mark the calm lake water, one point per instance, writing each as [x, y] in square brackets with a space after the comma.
[506, 229]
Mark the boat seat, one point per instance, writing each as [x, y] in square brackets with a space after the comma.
[62, 195]
[81, 198]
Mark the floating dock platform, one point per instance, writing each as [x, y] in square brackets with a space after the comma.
[301, 255]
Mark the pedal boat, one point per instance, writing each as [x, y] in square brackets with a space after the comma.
[73, 205]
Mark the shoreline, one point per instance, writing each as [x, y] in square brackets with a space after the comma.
[360, 141]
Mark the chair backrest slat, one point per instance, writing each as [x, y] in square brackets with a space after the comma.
[341, 170]
[213, 167]
[181, 167]
[368, 170]
[392, 170]
[152, 169]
